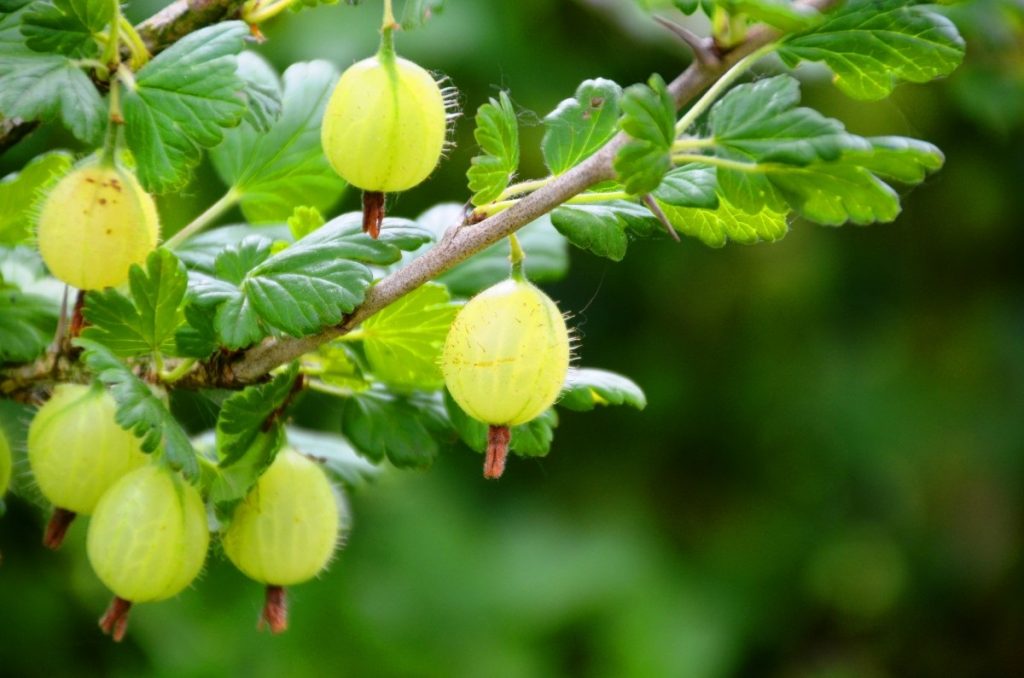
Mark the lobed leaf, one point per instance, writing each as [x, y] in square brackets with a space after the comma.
[581, 125]
[872, 45]
[404, 429]
[247, 414]
[497, 133]
[68, 27]
[532, 439]
[403, 341]
[276, 169]
[27, 324]
[648, 116]
[147, 323]
[181, 103]
[49, 87]
[605, 228]
[715, 227]
[140, 410]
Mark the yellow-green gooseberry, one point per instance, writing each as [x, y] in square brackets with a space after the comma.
[505, 360]
[94, 224]
[147, 540]
[285, 530]
[384, 126]
[76, 451]
[5, 463]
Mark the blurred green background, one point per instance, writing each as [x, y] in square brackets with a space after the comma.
[827, 480]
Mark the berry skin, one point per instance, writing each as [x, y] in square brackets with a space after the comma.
[95, 223]
[385, 124]
[77, 451]
[148, 537]
[507, 354]
[147, 540]
[285, 531]
[5, 465]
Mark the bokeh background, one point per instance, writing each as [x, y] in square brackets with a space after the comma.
[827, 480]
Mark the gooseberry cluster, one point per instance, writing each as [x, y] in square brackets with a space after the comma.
[149, 535]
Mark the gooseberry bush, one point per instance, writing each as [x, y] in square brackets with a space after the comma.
[430, 329]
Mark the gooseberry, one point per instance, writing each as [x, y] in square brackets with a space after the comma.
[95, 223]
[285, 530]
[147, 540]
[77, 451]
[5, 464]
[505, 360]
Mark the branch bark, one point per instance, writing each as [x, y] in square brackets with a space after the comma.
[464, 240]
[458, 244]
[158, 32]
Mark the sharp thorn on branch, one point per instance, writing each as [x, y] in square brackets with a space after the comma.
[703, 50]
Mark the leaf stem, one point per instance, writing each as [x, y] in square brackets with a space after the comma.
[140, 54]
[226, 202]
[387, 39]
[524, 187]
[330, 389]
[683, 158]
[179, 371]
[722, 84]
[108, 156]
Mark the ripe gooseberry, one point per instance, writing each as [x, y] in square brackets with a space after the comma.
[77, 451]
[95, 223]
[505, 360]
[284, 531]
[147, 540]
[384, 127]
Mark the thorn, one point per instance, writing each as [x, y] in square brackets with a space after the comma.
[275, 610]
[58, 526]
[703, 50]
[656, 209]
[114, 621]
[373, 212]
[497, 451]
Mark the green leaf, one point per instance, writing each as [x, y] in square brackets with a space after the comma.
[872, 45]
[262, 90]
[547, 255]
[197, 338]
[604, 229]
[304, 220]
[898, 158]
[20, 192]
[285, 166]
[182, 101]
[690, 185]
[785, 15]
[649, 117]
[401, 428]
[714, 227]
[403, 341]
[47, 87]
[27, 324]
[586, 388]
[761, 122]
[248, 413]
[306, 287]
[836, 193]
[532, 439]
[146, 323]
[581, 125]
[332, 364]
[140, 410]
[497, 132]
[67, 27]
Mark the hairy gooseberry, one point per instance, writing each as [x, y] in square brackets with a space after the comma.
[505, 360]
[77, 451]
[147, 540]
[95, 223]
[285, 530]
[384, 127]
